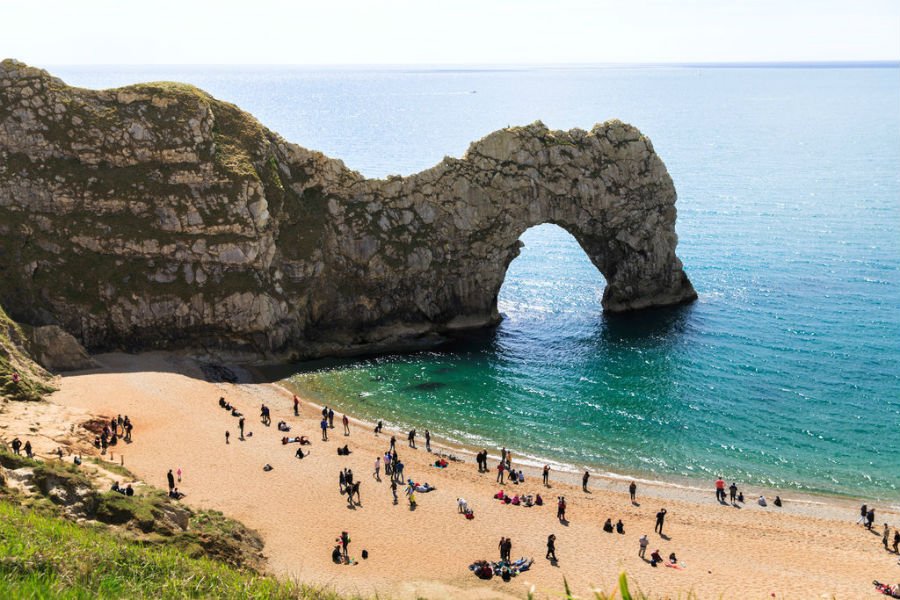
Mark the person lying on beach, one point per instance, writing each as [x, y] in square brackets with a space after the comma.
[608, 526]
[345, 451]
[300, 439]
[282, 426]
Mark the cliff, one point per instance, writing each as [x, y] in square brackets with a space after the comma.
[157, 216]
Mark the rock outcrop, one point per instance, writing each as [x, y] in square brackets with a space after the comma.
[155, 215]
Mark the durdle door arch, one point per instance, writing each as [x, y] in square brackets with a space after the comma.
[157, 216]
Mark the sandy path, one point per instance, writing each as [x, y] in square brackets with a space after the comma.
[800, 551]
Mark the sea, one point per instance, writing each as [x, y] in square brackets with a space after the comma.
[784, 374]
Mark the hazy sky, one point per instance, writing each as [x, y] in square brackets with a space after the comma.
[43, 32]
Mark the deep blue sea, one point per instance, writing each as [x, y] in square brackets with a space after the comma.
[785, 373]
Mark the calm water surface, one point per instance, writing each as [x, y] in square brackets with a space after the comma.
[786, 372]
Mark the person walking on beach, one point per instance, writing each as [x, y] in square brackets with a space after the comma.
[896, 541]
[644, 542]
[500, 467]
[551, 548]
[342, 480]
[28, 451]
[412, 438]
[393, 447]
[427, 440]
[886, 536]
[346, 422]
[863, 511]
[660, 520]
[632, 491]
[324, 425]
[584, 481]
[561, 509]
[171, 479]
[227, 437]
[394, 489]
[331, 418]
[296, 406]
[546, 475]
[345, 544]
[870, 518]
[377, 473]
[732, 492]
[241, 426]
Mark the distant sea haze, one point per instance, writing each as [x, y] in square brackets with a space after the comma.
[785, 373]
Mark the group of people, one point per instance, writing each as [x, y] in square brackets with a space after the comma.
[125, 491]
[619, 527]
[17, 447]
[349, 487]
[867, 519]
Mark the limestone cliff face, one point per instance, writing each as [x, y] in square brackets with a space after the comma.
[155, 215]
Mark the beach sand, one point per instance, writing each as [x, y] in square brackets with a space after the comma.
[810, 548]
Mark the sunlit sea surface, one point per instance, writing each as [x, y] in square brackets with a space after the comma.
[785, 373]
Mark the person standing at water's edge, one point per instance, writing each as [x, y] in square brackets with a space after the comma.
[547, 475]
[632, 490]
[584, 481]
[720, 490]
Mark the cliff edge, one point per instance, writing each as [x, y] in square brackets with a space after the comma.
[155, 215]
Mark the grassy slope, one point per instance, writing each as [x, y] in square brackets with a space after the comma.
[48, 557]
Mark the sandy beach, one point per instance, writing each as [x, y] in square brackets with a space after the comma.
[810, 548]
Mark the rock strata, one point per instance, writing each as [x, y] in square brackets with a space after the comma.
[156, 216]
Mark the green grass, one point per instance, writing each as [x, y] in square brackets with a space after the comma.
[47, 557]
[34, 382]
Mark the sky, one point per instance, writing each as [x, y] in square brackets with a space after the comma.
[335, 32]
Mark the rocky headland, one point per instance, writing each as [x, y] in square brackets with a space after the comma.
[156, 216]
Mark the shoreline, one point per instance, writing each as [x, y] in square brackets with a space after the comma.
[532, 464]
[570, 474]
[298, 511]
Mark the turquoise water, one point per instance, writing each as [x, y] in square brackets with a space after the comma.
[786, 372]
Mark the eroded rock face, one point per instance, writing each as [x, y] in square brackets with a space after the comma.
[155, 215]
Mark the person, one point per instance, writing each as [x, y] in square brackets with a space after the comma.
[16, 445]
[741, 497]
[762, 501]
[378, 427]
[241, 426]
[28, 451]
[732, 492]
[296, 406]
[551, 548]
[178, 474]
[462, 507]
[500, 467]
[394, 489]
[346, 421]
[398, 470]
[324, 425]
[608, 526]
[336, 555]
[411, 438]
[331, 418]
[863, 511]
[896, 543]
[342, 480]
[427, 440]
[171, 479]
[521, 476]
[514, 477]
[77, 460]
[299, 453]
[620, 527]
[227, 437]
[632, 491]
[660, 520]
[345, 544]
[885, 536]
[561, 508]
[506, 550]
[584, 481]
[15, 378]
[377, 473]
[655, 558]
[644, 542]
[777, 501]
[720, 490]
[870, 518]
[129, 491]
[393, 447]
[673, 560]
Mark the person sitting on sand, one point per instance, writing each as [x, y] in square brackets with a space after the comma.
[762, 501]
[620, 527]
[336, 556]
[222, 402]
[514, 477]
[282, 426]
[777, 501]
[741, 497]
[299, 453]
[673, 560]
[608, 526]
